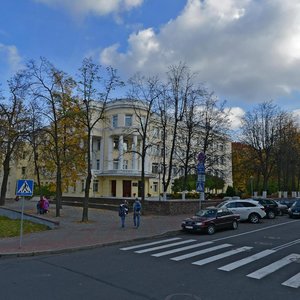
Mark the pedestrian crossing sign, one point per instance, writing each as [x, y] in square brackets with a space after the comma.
[24, 187]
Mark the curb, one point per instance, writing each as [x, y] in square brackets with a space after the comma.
[81, 248]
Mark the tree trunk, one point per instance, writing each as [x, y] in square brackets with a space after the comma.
[4, 181]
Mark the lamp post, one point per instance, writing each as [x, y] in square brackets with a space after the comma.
[159, 172]
[251, 186]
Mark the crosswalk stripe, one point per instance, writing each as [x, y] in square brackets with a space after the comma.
[246, 260]
[274, 266]
[192, 254]
[164, 246]
[150, 244]
[181, 249]
[293, 282]
[220, 256]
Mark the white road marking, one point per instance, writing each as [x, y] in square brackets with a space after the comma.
[180, 249]
[273, 267]
[189, 255]
[220, 256]
[150, 244]
[164, 246]
[246, 260]
[293, 282]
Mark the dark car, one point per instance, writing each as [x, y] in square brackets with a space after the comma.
[210, 220]
[294, 210]
[271, 207]
[287, 201]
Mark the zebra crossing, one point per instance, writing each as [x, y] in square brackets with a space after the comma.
[173, 246]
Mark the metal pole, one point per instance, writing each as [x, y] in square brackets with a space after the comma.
[21, 227]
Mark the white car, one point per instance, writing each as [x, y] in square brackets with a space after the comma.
[248, 209]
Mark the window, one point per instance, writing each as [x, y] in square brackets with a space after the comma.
[98, 164]
[154, 168]
[128, 120]
[125, 145]
[74, 187]
[115, 121]
[98, 144]
[82, 186]
[116, 143]
[155, 132]
[155, 186]
[115, 164]
[95, 185]
[125, 164]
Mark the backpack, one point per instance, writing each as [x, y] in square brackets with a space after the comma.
[137, 206]
[121, 210]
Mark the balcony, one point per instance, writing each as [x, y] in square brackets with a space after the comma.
[119, 173]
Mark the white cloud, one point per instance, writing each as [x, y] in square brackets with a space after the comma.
[296, 114]
[246, 50]
[9, 55]
[235, 116]
[98, 7]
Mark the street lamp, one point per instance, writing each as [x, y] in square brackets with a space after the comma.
[251, 186]
[159, 172]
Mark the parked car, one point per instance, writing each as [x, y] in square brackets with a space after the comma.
[210, 220]
[248, 209]
[287, 201]
[294, 210]
[283, 208]
[271, 207]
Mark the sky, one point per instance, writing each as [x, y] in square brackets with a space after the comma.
[246, 51]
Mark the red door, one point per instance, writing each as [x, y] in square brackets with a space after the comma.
[126, 188]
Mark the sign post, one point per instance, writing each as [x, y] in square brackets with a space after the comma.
[200, 186]
[24, 188]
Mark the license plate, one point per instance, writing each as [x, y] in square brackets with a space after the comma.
[296, 213]
[189, 227]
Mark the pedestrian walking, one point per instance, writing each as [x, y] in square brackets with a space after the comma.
[123, 211]
[137, 206]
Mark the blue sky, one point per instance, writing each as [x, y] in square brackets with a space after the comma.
[247, 51]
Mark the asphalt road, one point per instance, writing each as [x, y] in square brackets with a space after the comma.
[259, 261]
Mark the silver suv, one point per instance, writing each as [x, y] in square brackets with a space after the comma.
[248, 209]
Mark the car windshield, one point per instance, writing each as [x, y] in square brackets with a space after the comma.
[221, 204]
[296, 204]
[207, 213]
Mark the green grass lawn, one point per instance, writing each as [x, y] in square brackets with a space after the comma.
[10, 228]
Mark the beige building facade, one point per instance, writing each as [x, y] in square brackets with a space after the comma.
[116, 161]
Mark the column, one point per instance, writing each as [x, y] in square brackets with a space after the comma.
[120, 165]
[109, 154]
[134, 154]
[101, 154]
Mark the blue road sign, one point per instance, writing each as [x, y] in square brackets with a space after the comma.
[200, 186]
[24, 187]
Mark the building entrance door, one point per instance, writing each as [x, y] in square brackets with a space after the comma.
[126, 188]
[113, 188]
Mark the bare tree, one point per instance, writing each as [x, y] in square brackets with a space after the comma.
[52, 87]
[13, 126]
[94, 91]
[143, 95]
[260, 132]
[172, 104]
[213, 132]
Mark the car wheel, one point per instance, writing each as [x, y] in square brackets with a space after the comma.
[211, 229]
[235, 225]
[271, 214]
[254, 218]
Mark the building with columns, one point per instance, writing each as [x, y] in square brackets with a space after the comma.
[116, 160]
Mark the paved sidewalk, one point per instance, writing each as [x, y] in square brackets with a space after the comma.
[103, 228]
